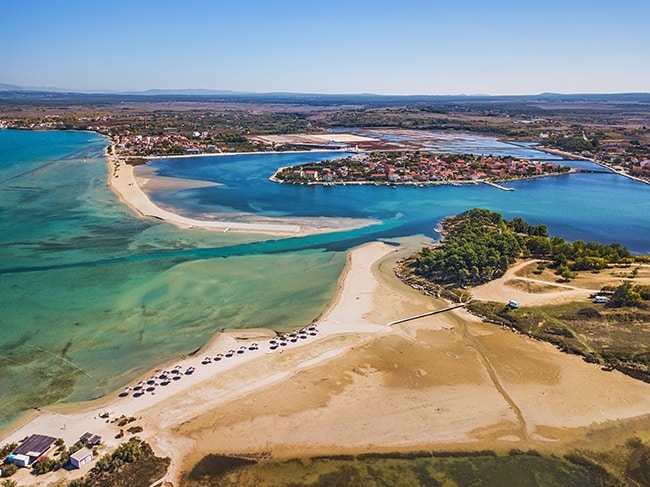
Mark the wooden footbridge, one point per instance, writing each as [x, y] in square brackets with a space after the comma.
[430, 313]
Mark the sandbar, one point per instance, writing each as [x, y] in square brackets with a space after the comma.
[129, 189]
[354, 384]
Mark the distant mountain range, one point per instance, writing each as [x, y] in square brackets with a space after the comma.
[153, 92]
[10, 91]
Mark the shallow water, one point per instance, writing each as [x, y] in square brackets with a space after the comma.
[92, 296]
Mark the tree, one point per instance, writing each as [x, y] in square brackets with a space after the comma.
[539, 246]
[8, 469]
[564, 272]
[45, 465]
[625, 295]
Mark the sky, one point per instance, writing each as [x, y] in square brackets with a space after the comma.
[408, 47]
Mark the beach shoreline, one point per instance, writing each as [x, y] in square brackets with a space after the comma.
[70, 421]
[357, 385]
[443, 382]
[124, 183]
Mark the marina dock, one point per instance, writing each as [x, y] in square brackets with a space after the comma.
[498, 186]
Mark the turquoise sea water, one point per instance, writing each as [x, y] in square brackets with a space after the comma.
[592, 206]
[92, 296]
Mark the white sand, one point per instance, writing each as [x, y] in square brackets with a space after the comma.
[122, 180]
[444, 381]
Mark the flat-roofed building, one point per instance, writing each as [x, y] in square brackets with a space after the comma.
[81, 457]
[31, 449]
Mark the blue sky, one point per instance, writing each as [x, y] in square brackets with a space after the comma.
[385, 47]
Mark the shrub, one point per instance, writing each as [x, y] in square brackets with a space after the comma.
[9, 469]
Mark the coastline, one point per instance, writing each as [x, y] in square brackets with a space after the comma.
[331, 338]
[495, 183]
[571, 156]
[351, 360]
[443, 382]
[212, 154]
[128, 188]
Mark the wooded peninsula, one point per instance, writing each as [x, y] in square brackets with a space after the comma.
[479, 246]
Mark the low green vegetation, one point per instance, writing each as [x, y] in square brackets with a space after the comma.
[572, 144]
[132, 464]
[479, 245]
[482, 468]
[614, 337]
[628, 294]
[8, 469]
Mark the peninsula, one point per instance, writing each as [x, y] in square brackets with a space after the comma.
[416, 167]
[356, 384]
[386, 370]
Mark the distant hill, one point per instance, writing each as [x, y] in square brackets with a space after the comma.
[183, 92]
[10, 91]
[6, 87]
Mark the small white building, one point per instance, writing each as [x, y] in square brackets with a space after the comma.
[21, 460]
[81, 457]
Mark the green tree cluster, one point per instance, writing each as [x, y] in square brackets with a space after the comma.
[8, 469]
[479, 245]
[628, 295]
[125, 453]
[573, 144]
[7, 449]
[132, 464]
[582, 256]
[519, 225]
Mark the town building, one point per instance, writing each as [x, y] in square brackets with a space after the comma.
[31, 450]
[81, 457]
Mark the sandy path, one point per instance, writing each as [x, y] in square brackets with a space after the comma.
[501, 290]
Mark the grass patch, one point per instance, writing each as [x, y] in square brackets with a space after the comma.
[615, 338]
[409, 470]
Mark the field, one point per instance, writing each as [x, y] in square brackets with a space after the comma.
[614, 337]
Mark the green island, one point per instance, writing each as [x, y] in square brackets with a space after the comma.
[479, 246]
[396, 167]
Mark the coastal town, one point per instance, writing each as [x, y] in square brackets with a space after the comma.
[145, 129]
[416, 168]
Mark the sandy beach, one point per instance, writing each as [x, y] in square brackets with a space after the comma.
[129, 189]
[351, 383]
[348, 383]
[256, 363]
